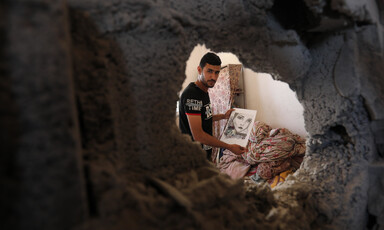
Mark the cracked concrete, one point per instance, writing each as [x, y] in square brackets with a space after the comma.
[88, 100]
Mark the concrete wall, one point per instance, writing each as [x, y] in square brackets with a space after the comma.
[88, 100]
[42, 180]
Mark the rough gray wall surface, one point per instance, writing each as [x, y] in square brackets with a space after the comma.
[341, 143]
[110, 82]
[41, 169]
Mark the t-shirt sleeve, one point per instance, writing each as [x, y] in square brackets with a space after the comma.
[193, 106]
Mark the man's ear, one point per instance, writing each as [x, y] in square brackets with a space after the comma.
[199, 69]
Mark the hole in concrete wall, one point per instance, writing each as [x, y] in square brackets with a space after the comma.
[342, 133]
[293, 15]
[276, 104]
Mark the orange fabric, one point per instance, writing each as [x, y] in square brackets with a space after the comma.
[279, 178]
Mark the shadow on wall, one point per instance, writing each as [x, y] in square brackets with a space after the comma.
[10, 133]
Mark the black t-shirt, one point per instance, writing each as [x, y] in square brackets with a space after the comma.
[194, 101]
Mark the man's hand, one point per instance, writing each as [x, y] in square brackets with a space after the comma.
[237, 149]
[228, 113]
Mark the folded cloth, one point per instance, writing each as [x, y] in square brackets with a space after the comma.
[233, 165]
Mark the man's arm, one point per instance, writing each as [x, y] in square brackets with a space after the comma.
[219, 117]
[204, 138]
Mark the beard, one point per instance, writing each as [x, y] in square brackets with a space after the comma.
[205, 83]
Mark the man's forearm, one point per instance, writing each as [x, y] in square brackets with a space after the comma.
[218, 117]
[212, 141]
[207, 139]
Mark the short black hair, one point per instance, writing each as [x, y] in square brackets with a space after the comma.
[211, 59]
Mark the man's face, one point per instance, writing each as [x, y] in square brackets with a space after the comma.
[209, 74]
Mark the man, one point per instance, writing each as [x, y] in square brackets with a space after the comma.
[195, 112]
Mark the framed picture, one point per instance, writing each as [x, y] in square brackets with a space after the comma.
[238, 127]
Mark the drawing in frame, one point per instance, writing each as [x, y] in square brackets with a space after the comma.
[238, 127]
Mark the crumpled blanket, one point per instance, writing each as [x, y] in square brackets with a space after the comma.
[271, 151]
[267, 144]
